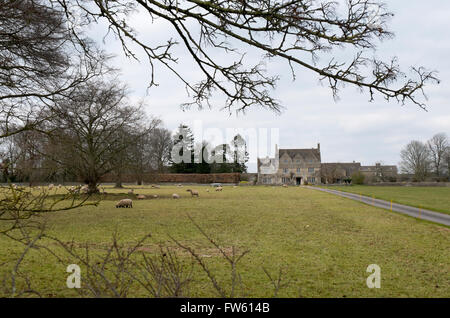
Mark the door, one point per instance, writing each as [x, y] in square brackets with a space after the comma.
[298, 181]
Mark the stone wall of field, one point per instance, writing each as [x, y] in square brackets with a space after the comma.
[177, 178]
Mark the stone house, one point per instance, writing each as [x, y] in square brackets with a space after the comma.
[291, 166]
[338, 172]
[301, 166]
[379, 172]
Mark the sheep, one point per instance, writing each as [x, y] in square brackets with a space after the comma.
[51, 186]
[124, 203]
[131, 191]
[285, 186]
[179, 185]
[175, 196]
[84, 189]
[219, 189]
[207, 190]
[193, 192]
[59, 186]
[155, 196]
[141, 197]
[155, 186]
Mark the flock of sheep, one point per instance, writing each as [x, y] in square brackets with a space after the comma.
[124, 203]
[128, 203]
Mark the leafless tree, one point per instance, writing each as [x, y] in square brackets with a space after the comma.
[40, 58]
[329, 172]
[438, 146]
[447, 162]
[137, 156]
[415, 160]
[161, 143]
[88, 129]
[302, 33]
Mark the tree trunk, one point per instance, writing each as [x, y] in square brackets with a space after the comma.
[119, 180]
[92, 187]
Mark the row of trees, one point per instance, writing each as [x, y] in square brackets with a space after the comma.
[90, 132]
[94, 131]
[203, 157]
[427, 159]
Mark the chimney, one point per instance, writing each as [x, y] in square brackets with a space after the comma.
[318, 146]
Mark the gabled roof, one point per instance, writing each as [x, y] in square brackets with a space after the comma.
[305, 154]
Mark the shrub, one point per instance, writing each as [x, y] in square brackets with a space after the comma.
[358, 178]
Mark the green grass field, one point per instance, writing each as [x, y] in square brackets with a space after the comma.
[322, 242]
[432, 198]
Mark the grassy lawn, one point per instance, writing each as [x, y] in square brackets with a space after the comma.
[432, 198]
[322, 242]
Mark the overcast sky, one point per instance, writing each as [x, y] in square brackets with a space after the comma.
[350, 129]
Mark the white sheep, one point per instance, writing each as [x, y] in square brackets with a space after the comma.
[175, 196]
[141, 197]
[219, 189]
[193, 192]
[131, 191]
[51, 186]
[155, 196]
[124, 203]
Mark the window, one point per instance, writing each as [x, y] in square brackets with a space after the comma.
[285, 170]
[284, 180]
[310, 170]
[298, 170]
[298, 160]
[311, 179]
[285, 161]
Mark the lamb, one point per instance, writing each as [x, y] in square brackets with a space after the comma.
[141, 197]
[124, 203]
[219, 189]
[193, 192]
[175, 196]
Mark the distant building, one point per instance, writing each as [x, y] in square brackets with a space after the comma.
[300, 166]
[291, 166]
[379, 172]
[338, 172]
